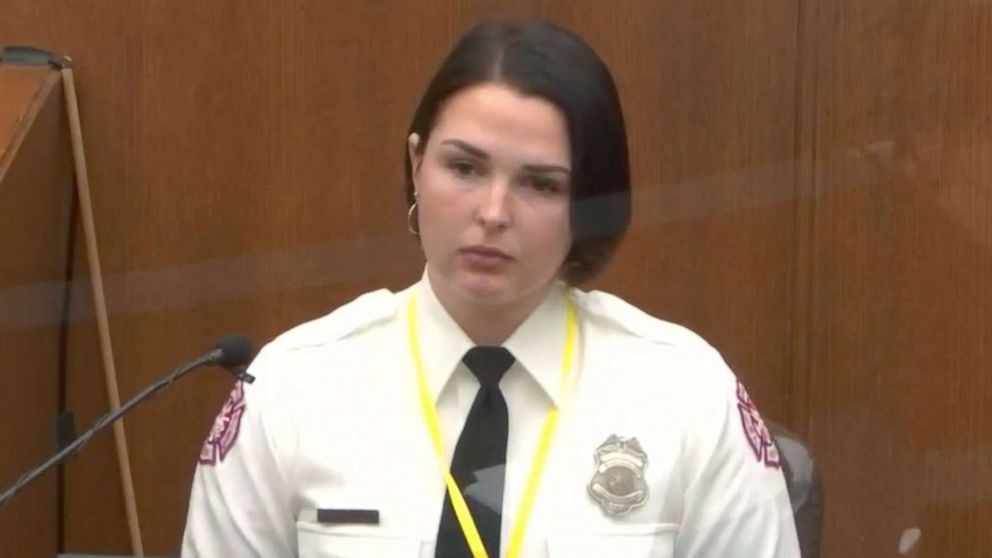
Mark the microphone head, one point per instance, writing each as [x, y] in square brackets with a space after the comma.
[235, 350]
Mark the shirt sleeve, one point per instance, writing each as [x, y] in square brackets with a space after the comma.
[736, 503]
[241, 502]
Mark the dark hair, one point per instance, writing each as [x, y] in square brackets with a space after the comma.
[541, 59]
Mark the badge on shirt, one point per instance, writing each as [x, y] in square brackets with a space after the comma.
[617, 484]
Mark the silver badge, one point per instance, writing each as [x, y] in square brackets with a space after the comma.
[618, 484]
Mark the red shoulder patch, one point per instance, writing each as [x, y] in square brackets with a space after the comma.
[755, 430]
[226, 426]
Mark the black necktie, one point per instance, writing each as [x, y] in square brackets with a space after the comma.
[479, 462]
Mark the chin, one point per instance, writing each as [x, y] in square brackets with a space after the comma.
[486, 290]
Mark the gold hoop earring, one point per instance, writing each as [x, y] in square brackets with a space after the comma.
[409, 220]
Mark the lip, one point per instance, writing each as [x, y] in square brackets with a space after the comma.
[486, 252]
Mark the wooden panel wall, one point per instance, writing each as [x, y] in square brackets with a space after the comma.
[35, 196]
[901, 293]
[246, 164]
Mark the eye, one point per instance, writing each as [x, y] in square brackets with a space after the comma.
[463, 168]
[543, 183]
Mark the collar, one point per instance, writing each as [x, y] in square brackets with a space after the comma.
[537, 343]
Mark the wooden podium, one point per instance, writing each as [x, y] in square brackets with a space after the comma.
[36, 193]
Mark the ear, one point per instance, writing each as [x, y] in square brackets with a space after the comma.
[412, 143]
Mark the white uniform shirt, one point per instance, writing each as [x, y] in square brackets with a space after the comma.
[333, 421]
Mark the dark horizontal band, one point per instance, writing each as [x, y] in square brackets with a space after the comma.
[364, 517]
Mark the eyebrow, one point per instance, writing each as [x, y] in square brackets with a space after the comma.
[476, 152]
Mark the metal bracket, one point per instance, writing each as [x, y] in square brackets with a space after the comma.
[19, 55]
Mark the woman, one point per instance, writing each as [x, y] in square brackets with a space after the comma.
[493, 409]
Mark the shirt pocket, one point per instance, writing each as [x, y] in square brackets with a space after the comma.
[654, 540]
[352, 541]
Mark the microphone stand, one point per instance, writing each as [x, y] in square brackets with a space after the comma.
[210, 358]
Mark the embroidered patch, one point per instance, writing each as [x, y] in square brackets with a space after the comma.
[755, 430]
[226, 426]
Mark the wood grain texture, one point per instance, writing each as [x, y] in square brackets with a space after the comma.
[35, 194]
[245, 160]
[901, 303]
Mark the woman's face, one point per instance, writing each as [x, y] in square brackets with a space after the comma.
[493, 195]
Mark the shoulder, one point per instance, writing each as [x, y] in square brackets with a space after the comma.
[655, 351]
[351, 319]
[612, 312]
[313, 341]
[298, 357]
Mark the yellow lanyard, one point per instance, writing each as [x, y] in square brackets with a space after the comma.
[429, 412]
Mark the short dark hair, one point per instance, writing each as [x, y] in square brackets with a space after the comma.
[542, 59]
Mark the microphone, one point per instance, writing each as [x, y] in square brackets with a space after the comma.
[232, 352]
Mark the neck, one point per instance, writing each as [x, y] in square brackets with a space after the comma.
[486, 324]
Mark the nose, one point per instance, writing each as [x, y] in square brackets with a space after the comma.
[494, 209]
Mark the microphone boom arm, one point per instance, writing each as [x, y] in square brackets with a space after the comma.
[210, 358]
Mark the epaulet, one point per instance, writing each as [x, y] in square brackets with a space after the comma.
[621, 314]
[365, 311]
